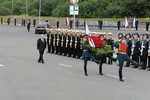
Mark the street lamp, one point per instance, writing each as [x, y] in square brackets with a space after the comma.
[13, 6]
[40, 10]
[26, 8]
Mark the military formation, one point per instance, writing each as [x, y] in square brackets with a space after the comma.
[68, 43]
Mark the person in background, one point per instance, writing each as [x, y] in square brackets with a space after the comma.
[57, 24]
[28, 25]
[100, 23]
[24, 22]
[129, 46]
[147, 26]
[8, 21]
[110, 41]
[71, 22]
[136, 25]
[41, 46]
[77, 23]
[34, 22]
[1, 20]
[15, 21]
[118, 23]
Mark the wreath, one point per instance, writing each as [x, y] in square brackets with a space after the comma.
[100, 48]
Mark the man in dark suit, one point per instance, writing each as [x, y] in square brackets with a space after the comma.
[118, 23]
[28, 26]
[1, 20]
[41, 46]
[34, 22]
[136, 24]
[15, 21]
[57, 24]
[147, 25]
[100, 22]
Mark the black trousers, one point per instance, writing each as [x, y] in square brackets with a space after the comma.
[49, 48]
[118, 27]
[41, 52]
[136, 27]
[148, 62]
[135, 57]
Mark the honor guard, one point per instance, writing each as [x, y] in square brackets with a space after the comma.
[48, 40]
[74, 44]
[68, 44]
[110, 41]
[105, 42]
[64, 42]
[60, 42]
[141, 40]
[122, 56]
[129, 46]
[87, 55]
[144, 52]
[148, 67]
[136, 46]
[52, 41]
[78, 47]
[56, 42]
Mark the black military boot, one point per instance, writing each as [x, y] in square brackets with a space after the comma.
[85, 71]
[100, 69]
[143, 67]
[136, 65]
[120, 76]
[148, 69]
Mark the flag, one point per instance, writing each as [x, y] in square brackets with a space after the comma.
[133, 22]
[126, 22]
[86, 28]
[67, 21]
[96, 41]
[91, 42]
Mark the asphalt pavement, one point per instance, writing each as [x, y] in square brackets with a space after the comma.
[60, 78]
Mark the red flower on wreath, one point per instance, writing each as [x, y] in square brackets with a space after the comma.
[97, 41]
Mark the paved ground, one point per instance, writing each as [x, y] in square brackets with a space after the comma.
[60, 78]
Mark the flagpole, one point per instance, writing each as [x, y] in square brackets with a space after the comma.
[74, 17]
[13, 6]
[26, 8]
[39, 11]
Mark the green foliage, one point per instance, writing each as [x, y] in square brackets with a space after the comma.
[5, 11]
[87, 8]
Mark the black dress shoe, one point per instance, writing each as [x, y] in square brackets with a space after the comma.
[142, 68]
[121, 80]
[135, 66]
[148, 69]
[86, 74]
[39, 62]
[101, 74]
[42, 62]
[126, 66]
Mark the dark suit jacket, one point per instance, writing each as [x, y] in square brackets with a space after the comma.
[41, 45]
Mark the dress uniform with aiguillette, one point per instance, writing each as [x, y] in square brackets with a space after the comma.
[129, 47]
[144, 51]
[136, 46]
